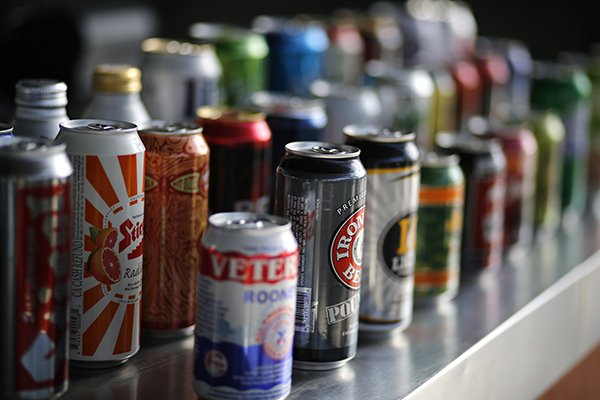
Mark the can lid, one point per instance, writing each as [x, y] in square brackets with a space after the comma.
[175, 47]
[229, 114]
[42, 93]
[286, 105]
[19, 147]
[249, 43]
[248, 222]
[466, 143]
[372, 133]
[98, 126]
[170, 128]
[432, 159]
[111, 78]
[5, 129]
[322, 150]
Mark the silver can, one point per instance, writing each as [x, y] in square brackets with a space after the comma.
[178, 77]
[40, 108]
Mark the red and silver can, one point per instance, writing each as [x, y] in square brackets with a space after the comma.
[246, 302]
[240, 159]
[174, 222]
[35, 222]
[469, 91]
[108, 229]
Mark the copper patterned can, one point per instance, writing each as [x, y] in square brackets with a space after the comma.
[175, 218]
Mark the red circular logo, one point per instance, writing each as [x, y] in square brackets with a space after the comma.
[347, 250]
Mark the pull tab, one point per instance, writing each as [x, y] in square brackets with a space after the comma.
[326, 150]
[103, 127]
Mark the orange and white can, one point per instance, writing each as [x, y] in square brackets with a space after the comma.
[108, 230]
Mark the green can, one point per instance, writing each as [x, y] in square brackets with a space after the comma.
[594, 164]
[439, 229]
[242, 54]
[549, 132]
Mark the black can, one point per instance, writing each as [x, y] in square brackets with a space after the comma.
[321, 189]
[484, 167]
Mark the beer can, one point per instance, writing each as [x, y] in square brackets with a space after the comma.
[176, 202]
[344, 58]
[40, 108]
[107, 238]
[296, 53]
[383, 38]
[240, 159]
[243, 55]
[443, 115]
[520, 65]
[321, 189]
[495, 74]
[5, 129]
[594, 163]
[469, 91]
[35, 223]
[484, 167]
[246, 300]
[439, 229]
[178, 77]
[392, 162]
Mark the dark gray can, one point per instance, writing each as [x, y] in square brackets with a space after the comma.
[321, 189]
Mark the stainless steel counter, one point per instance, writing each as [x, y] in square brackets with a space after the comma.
[508, 334]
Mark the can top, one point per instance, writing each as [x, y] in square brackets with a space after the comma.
[250, 223]
[432, 159]
[175, 47]
[44, 93]
[324, 89]
[372, 133]
[98, 126]
[159, 127]
[20, 147]
[286, 105]
[112, 78]
[5, 129]
[229, 114]
[322, 150]
[223, 35]
[466, 143]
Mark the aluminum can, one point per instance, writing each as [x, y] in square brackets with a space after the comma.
[495, 74]
[243, 55]
[484, 167]
[175, 218]
[445, 99]
[392, 162]
[321, 189]
[594, 162]
[549, 133]
[296, 53]
[439, 229]
[117, 94]
[178, 77]
[520, 65]
[346, 105]
[5, 130]
[344, 58]
[240, 159]
[567, 90]
[469, 91]
[40, 108]
[107, 233]
[246, 302]
[35, 222]
[382, 36]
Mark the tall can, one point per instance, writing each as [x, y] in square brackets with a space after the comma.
[495, 75]
[40, 108]
[240, 159]
[35, 223]
[5, 130]
[445, 100]
[247, 284]
[243, 55]
[594, 163]
[175, 219]
[484, 167]
[439, 229]
[107, 237]
[321, 189]
[178, 77]
[520, 65]
[392, 162]
[344, 58]
[296, 53]
[469, 89]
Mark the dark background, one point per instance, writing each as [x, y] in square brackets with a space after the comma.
[63, 39]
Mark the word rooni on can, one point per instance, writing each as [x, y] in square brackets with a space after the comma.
[321, 189]
[392, 162]
[246, 298]
[108, 231]
[35, 226]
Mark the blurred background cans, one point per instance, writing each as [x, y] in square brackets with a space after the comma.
[392, 162]
[240, 159]
[520, 65]
[243, 56]
[174, 221]
[321, 189]
[35, 231]
[296, 53]
[5, 129]
[469, 87]
[178, 77]
[443, 115]
[246, 300]
[495, 74]
[108, 231]
[594, 164]
[40, 108]
[439, 229]
[344, 58]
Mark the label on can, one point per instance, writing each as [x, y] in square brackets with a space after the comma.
[41, 285]
[108, 228]
[245, 324]
[392, 202]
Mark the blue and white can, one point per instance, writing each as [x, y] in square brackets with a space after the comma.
[246, 299]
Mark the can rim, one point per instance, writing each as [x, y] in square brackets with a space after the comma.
[281, 104]
[249, 223]
[98, 126]
[175, 47]
[21, 147]
[216, 113]
[466, 142]
[164, 127]
[322, 150]
[434, 159]
[373, 133]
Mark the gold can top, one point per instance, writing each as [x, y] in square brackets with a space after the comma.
[109, 78]
[230, 114]
[175, 47]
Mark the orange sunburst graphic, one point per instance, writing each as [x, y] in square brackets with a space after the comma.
[114, 207]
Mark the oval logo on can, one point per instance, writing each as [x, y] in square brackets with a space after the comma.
[347, 250]
[397, 245]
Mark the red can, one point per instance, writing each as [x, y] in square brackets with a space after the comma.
[495, 75]
[240, 161]
[468, 90]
